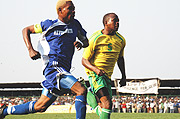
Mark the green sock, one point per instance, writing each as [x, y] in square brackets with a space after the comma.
[91, 100]
[105, 114]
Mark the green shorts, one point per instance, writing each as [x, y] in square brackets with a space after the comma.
[98, 82]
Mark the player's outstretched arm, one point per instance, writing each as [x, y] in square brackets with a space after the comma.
[27, 39]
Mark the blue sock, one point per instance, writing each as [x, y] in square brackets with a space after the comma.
[20, 109]
[80, 104]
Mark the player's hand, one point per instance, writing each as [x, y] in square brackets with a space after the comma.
[122, 82]
[100, 72]
[34, 54]
[78, 45]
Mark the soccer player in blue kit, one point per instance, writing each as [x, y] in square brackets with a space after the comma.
[56, 48]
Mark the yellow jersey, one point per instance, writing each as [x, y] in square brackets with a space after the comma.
[104, 50]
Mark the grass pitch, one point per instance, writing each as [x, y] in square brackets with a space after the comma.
[94, 116]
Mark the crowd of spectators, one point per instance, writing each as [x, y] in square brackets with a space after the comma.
[121, 104]
[10, 101]
[146, 104]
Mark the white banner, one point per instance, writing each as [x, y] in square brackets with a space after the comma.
[146, 87]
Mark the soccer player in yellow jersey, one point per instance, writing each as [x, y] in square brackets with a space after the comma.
[106, 47]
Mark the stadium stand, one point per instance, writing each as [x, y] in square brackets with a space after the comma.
[167, 87]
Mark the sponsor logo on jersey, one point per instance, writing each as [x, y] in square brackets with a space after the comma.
[58, 32]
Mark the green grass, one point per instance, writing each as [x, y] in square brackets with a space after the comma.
[94, 116]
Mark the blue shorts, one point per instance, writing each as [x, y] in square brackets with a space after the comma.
[57, 79]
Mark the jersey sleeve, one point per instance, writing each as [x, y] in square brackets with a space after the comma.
[80, 29]
[43, 26]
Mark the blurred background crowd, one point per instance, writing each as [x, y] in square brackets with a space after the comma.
[121, 104]
[146, 104]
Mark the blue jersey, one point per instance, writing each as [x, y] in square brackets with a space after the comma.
[60, 38]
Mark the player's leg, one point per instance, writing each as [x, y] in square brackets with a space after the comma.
[44, 101]
[101, 86]
[68, 81]
[93, 102]
[106, 103]
[91, 98]
[41, 105]
[80, 101]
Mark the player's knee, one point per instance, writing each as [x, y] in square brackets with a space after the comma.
[79, 89]
[82, 91]
[107, 104]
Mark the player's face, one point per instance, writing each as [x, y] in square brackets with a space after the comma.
[113, 23]
[68, 12]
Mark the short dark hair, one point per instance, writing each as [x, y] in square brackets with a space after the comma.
[107, 16]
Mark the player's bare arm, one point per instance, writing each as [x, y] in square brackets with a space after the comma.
[121, 65]
[27, 39]
[88, 65]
